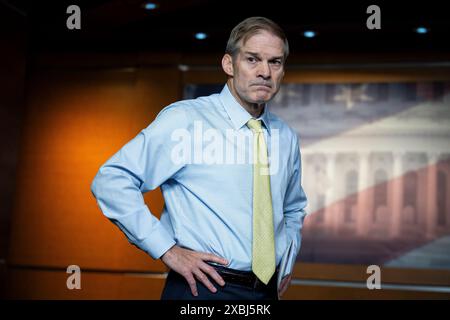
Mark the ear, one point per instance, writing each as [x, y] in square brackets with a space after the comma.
[227, 65]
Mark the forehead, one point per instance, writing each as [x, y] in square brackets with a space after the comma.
[265, 43]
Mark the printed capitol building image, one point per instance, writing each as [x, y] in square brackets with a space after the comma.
[376, 171]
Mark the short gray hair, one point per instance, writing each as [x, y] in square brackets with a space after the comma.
[249, 27]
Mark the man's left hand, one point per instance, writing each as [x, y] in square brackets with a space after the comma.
[284, 285]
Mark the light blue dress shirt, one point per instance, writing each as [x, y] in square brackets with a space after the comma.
[208, 204]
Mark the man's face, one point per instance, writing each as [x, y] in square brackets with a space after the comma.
[257, 70]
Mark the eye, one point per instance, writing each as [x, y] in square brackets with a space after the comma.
[277, 62]
[251, 59]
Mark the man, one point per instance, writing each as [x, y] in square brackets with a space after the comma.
[225, 221]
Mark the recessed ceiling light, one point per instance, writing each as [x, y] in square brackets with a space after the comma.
[150, 6]
[309, 34]
[421, 30]
[201, 36]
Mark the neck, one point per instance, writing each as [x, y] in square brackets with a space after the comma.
[254, 109]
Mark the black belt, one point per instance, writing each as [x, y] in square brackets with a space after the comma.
[244, 278]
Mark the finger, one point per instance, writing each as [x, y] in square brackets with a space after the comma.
[204, 279]
[282, 284]
[192, 284]
[282, 287]
[285, 288]
[282, 291]
[285, 285]
[213, 274]
[214, 258]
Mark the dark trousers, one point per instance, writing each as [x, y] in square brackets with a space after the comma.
[177, 288]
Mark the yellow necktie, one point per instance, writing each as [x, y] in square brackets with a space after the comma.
[263, 250]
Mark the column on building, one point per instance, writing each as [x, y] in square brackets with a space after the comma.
[331, 219]
[363, 218]
[431, 199]
[397, 195]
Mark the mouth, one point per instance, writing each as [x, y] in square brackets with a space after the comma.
[263, 86]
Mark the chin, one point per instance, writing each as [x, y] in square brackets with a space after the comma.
[263, 99]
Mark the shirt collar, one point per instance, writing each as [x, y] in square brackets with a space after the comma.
[237, 113]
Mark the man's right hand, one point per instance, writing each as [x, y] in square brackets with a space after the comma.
[191, 264]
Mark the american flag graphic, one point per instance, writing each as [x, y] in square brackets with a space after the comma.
[376, 170]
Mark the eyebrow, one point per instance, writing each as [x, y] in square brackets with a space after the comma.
[257, 55]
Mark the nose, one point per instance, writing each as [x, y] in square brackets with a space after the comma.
[264, 70]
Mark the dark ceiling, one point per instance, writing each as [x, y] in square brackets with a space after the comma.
[124, 25]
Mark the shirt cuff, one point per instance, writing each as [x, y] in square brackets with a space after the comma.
[157, 243]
